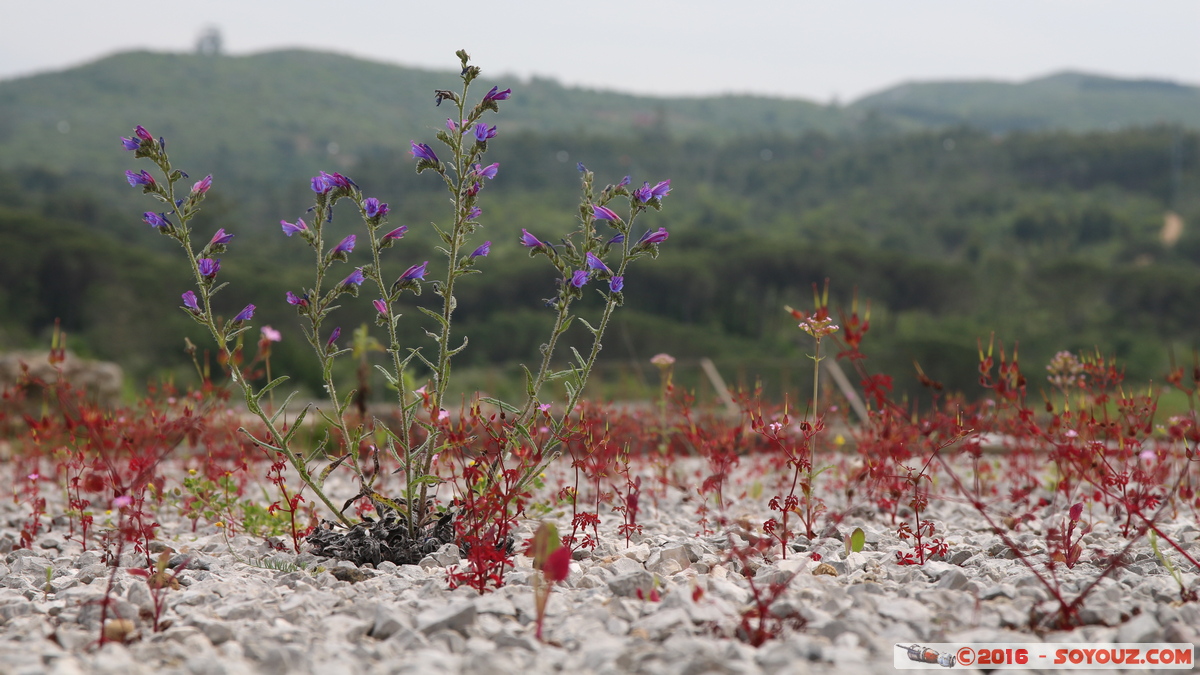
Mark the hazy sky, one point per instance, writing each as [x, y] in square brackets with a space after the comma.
[795, 48]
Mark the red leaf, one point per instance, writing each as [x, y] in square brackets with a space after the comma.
[557, 565]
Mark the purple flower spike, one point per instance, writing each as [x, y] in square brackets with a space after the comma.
[595, 263]
[139, 178]
[374, 208]
[345, 246]
[604, 213]
[380, 305]
[488, 171]
[202, 185]
[141, 133]
[615, 284]
[337, 332]
[209, 267]
[131, 143]
[529, 241]
[292, 228]
[496, 95]
[654, 237]
[415, 272]
[423, 151]
[245, 315]
[580, 277]
[221, 237]
[156, 219]
[474, 213]
[483, 250]
[292, 299]
[355, 279]
[483, 133]
[189, 301]
[395, 234]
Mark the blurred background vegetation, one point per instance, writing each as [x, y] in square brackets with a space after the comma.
[1062, 213]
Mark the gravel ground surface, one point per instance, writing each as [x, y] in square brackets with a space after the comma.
[235, 614]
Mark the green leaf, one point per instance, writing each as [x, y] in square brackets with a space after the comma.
[579, 357]
[387, 375]
[458, 349]
[566, 325]
[434, 314]
[329, 469]
[282, 407]
[529, 390]
[500, 404]
[592, 329]
[271, 385]
[857, 540]
[296, 424]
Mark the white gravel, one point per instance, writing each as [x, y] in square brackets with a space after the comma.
[231, 616]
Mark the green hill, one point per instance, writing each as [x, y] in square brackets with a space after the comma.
[1070, 101]
[281, 112]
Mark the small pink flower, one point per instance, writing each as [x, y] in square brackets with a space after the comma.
[545, 407]
[122, 502]
[270, 334]
[33, 476]
[443, 416]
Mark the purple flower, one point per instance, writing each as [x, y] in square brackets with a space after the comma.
[580, 277]
[395, 234]
[483, 133]
[319, 185]
[380, 305]
[209, 267]
[495, 95]
[345, 246]
[423, 151]
[604, 213]
[654, 237]
[581, 167]
[292, 228]
[245, 315]
[450, 124]
[374, 208]
[355, 279]
[624, 182]
[615, 284]
[202, 185]
[529, 241]
[474, 213]
[139, 178]
[661, 189]
[337, 332]
[221, 237]
[488, 171]
[131, 143]
[141, 133]
[595, 263]
[292, 299]
[483, 250]
[158, 220]
[617, 239]
[644, 193]
[414, 273]
[189, 301]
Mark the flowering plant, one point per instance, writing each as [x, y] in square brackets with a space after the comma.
[585, 256]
